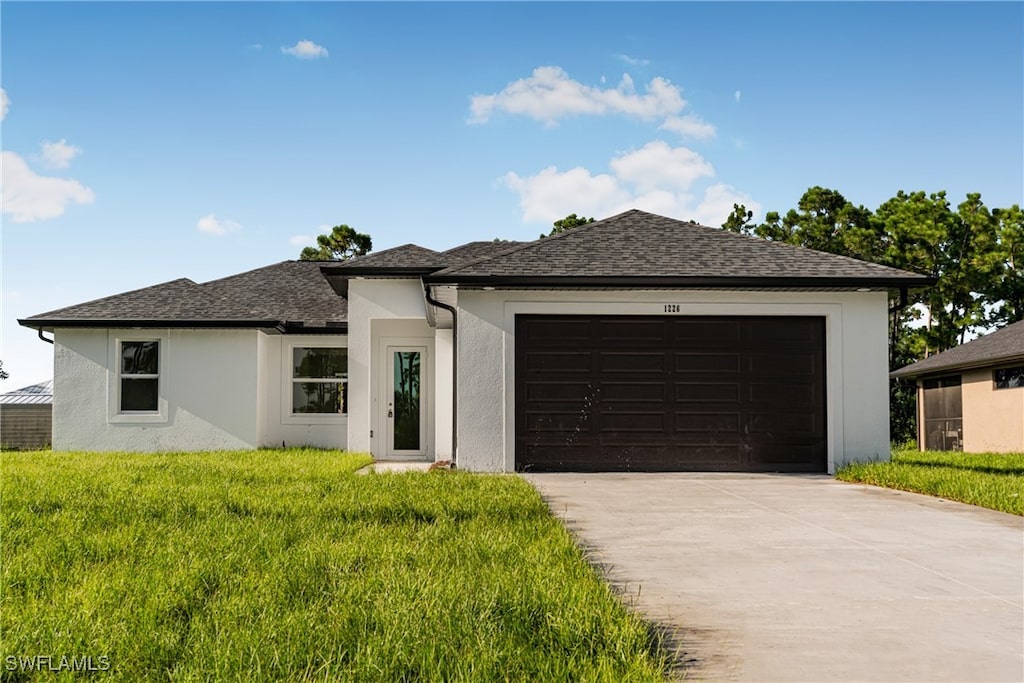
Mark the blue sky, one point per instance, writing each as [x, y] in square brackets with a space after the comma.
[146, 142]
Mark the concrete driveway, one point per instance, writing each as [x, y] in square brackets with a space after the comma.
[803, 578]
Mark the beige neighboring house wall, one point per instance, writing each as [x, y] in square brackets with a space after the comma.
[993, 418]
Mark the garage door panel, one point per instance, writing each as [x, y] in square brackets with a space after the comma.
[632, 362]
[559, 361]
[707, 392]
[686, 362]
[782, 332]
[790, 424]
[633, 421]
[552, 422]
[565, 332]
[548, 391]
[782, 363]
[720, 332]
[715, 423]
[631, 392]
[670, 393]
[791, 395]
[785, 457]
[638, 333]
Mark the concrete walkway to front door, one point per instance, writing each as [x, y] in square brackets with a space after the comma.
[803, 578]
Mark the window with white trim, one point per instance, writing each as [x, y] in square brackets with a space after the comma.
[139, 376]
[319, 380]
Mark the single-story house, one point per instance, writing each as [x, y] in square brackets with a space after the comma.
[26, 417]
[971, 397]
[637, 342]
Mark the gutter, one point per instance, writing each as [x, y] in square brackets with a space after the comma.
[455, 366]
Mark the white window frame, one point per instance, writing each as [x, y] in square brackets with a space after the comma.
[115, 413]
[288, 381]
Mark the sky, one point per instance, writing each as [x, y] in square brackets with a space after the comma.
[144, 142]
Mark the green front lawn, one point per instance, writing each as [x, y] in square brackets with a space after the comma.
[991, 480]
[284, 565]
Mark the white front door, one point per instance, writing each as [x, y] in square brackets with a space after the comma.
[405, 397]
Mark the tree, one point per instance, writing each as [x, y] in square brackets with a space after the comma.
[341, 244]
[3, 374]
[1007, 285]
[975, 255]
[739, 221]
[568, 223]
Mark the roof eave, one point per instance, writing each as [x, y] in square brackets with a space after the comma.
[359, 271]
[51, 323]
[632, 281]
[910, 373]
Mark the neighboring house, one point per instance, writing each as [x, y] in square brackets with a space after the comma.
[633, 343]
[971, 397]
[26, 417]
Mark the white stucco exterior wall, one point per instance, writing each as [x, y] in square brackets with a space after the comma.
[208, 391]
[857, 397]
[278, 427]
[443, 357]
[382, 312]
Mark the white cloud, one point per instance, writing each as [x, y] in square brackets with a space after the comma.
[27, 196]
[212, 225]
[301, 241]
[256, 46]
[717, 204]
[550, 195]
[58, 154]
[633, 61]
[306, 49]
[689, 126]
[656, 178]
[738, 95]
[549, 94]
[5, 104]
[656, 165]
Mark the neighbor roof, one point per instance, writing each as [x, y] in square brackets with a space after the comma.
[1002, 346]
[636, 248]
[291, 295]
[36, 394]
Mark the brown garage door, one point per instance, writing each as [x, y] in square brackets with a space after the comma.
[660, 393]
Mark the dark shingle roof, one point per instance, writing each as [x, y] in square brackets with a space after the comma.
[411, 256]
[292, 293]
[636, 246]
[476, 250]
[1002, 346]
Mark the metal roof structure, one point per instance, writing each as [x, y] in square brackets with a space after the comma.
[36, 394]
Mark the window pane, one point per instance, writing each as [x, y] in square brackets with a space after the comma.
[138, 394]
[325, 398]
[1009, 378]
[407, 400]
[319, 362]
[140, 357]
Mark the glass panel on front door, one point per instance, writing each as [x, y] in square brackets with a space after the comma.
[406, 400]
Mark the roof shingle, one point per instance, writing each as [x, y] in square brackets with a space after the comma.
[288, 292]
[1005, 345]
[642, 245]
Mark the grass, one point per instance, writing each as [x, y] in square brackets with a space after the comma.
[283, 565]
[991, 480]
